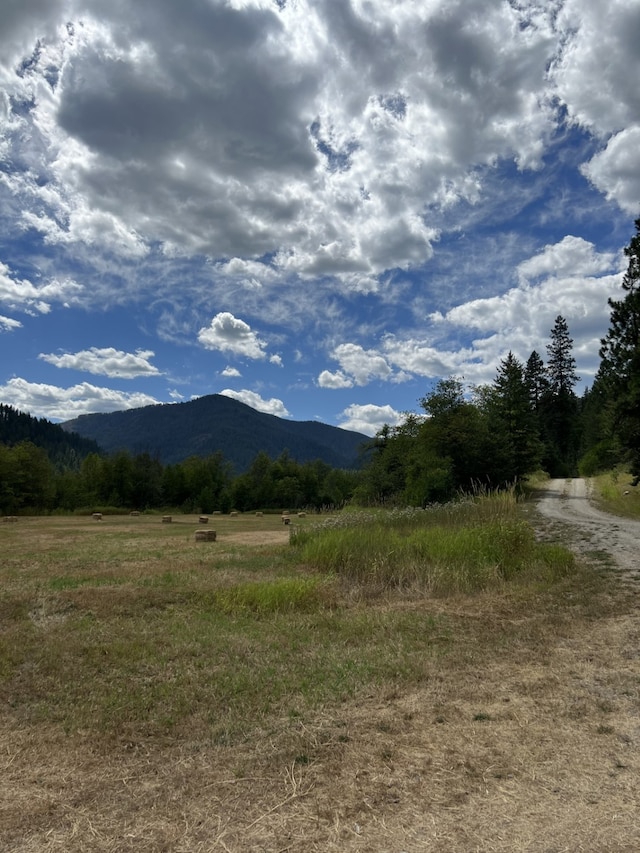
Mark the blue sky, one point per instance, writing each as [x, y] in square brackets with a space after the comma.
[318, 208]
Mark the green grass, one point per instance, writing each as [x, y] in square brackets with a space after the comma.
[462, 547]
[614, 493]
[128, 627]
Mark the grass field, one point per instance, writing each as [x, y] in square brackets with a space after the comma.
[361, 688]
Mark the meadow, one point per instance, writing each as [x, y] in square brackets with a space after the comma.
[243, 667]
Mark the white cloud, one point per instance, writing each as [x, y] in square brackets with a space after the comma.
[326, 379]
[274, 134]
[572, 256]
[595, 76]
[277, 360]
[616, 170]
[53, 402]
[8, 325]
[230, 334]
[106, 362]
[250, 398]
[23, 295]
[356, 362]
[599, 64]
[230, 372]
[369, 418]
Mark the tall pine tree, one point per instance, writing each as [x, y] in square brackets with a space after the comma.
[513, 418]
[559, 408]
[620, 354]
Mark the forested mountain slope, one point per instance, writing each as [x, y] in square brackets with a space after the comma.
[174, 432]
[64, 448]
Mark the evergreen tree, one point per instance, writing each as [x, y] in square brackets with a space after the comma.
[513, 421]
[620, 354]
[561, 365]
[535, 377]
[559, 408]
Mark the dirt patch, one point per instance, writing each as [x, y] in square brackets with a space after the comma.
[567, 502]
[258, 537]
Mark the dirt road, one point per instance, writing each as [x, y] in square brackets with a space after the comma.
[568, 502]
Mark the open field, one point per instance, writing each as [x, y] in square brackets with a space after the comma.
[163, 694]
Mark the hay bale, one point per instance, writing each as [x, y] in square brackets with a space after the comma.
[233, 513]
[217, 512]
[205, 535]
[259, 514]
[97, 516]
[135, 513]
[204, 519]
[286, 519]
[167, 519]
[302, 515]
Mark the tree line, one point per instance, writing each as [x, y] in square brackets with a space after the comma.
[529, 418]
[30, 482]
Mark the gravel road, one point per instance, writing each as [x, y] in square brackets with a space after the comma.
[568, 502]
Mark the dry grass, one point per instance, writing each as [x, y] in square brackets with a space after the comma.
[513, 728]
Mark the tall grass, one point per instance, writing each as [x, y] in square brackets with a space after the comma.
[613, 492]
[468, 545]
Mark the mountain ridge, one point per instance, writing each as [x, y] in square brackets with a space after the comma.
[214, 423]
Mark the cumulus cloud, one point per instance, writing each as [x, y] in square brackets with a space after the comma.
[106, 362]
[326, 379]
[572, 256]
[275, 136]
[369, 418]
[616, 170]
[230, 334]
[62, 404]
[250, 398]
[602, 96]
[357, 365]
[230, 372]
[287, 141]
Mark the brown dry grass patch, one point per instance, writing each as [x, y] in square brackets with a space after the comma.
[523, 734]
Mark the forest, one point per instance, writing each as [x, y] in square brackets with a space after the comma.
[528, 419]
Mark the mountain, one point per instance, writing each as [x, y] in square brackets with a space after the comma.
[172, 432]
[65, 449]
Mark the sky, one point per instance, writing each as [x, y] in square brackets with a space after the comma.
[317, 208]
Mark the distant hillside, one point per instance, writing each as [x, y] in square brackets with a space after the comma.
[65, 449]
[172, 432]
